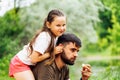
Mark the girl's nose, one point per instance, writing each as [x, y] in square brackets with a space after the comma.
[63, 28]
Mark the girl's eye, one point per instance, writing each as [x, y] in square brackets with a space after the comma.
[64, 24]
[58, 25]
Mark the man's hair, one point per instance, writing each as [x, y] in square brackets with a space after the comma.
[69, 37]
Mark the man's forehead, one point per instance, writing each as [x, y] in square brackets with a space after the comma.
[72, 45]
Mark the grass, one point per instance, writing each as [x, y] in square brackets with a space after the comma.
[103, 67]
[4, 67]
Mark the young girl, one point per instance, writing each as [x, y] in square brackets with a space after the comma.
[43, 42]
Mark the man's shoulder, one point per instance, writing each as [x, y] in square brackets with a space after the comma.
[44, 64]
[41, 67]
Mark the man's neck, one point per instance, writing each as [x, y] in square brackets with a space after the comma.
[59, 62]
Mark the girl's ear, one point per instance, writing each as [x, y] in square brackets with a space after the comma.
[48, 24]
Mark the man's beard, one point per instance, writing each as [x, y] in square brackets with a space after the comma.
[65, 59]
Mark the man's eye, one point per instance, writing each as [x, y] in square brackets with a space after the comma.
[73, 50]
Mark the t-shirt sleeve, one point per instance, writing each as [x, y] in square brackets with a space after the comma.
[42, 42]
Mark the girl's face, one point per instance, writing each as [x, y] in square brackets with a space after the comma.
[58, 26]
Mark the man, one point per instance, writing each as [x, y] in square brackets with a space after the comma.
[58, 69]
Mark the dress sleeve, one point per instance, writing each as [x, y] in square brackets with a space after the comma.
[42, 42]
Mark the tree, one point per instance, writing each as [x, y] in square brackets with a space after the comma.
[108, 24]
[10, 27]
[114, 36]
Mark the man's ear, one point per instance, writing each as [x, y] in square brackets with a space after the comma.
[61, 45]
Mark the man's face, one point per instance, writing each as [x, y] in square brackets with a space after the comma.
[70, 52]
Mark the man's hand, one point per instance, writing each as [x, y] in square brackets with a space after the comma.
[86, 71]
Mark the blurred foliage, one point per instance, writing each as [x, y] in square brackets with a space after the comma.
[4, 62]
[108, 28]
[113, 3]
[10, 28]
[114, 36]
[105, 23]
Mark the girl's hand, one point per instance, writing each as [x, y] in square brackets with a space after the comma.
[58, 49]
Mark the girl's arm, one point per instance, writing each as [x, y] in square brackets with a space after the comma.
[38, 57]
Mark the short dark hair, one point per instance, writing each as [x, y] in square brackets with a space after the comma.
[69, 37]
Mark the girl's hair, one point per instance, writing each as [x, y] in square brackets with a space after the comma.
[50, 18]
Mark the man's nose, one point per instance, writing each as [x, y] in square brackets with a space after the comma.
[76, 54]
